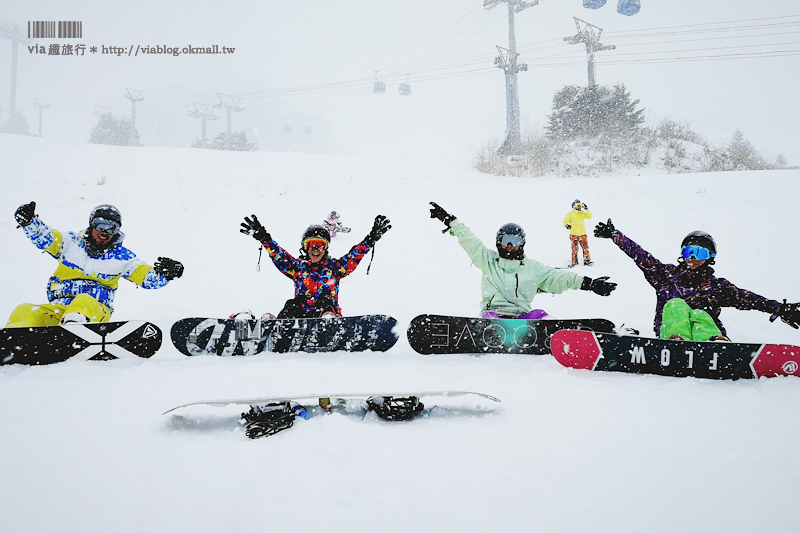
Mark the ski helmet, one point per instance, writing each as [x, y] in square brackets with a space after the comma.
[511, 233]
[700, 238]
[576, 201]
[106, 212]
[315, 231]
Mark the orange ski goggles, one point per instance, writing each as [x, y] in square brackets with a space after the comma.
[315, 244]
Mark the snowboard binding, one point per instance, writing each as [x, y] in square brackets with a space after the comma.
[266, 420]
[395, 408]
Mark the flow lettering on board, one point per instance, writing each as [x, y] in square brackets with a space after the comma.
[713, 365]
[468, 333]
[691, 357]
[665, 357]
[446, 334]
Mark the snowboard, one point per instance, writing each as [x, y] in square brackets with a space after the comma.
[642, 355]
[436, 334]
[93, 341]
[233, 337]
[268, 416]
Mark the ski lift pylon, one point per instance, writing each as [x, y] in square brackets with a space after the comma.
[404, 88]
[379, 87]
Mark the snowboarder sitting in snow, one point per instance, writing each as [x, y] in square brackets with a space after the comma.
[511, 280]
[316, 275]
[90, 264]
[689, 297]
[333, 225]
[577, 232]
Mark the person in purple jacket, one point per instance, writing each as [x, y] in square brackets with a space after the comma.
[689, 297]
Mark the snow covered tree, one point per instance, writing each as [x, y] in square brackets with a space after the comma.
[781, 162]
[110, 130]
[16, 123]
[585, 113]
[743, 155]
[238, 143]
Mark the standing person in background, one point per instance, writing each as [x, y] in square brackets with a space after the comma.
[577, 232]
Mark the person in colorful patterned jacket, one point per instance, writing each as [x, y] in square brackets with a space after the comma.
[689, 298]
[90, 264]
[577, 232]
[510, 279]
[316, 275]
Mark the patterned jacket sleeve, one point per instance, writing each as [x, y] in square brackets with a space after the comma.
[44, 237]
[733, 296]
[651, 267]
[283, 260]
[348, 263]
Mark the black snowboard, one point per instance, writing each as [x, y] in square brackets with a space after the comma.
[643, 355]
[231, 337]
[436, 334]
[95, 341]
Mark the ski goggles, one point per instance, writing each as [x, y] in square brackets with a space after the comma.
[105, 226]
[699, 253]
[315, 244]
[513, 240]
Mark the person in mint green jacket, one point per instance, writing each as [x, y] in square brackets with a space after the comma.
[511, 280]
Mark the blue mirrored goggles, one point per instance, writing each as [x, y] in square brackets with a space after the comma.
[105, 226]
[699, 253]
[514, 240]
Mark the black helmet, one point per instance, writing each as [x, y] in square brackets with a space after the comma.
[107, 212]
[512, 232]
[700, 238]
[316, 231]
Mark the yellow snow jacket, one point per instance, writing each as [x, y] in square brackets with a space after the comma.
[575, 220]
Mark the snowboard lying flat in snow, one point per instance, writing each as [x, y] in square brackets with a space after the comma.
[232, 337]
[94, 341]
[268, 416]
[642, 355]
[437, 334]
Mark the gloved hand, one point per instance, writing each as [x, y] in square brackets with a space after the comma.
[568, 226]
[585, 207]
[441, 214]
[789, 313]
[379, 227]
[604, 230]
[253, 227]
[169, 268]
[25, 214]
[598, 286]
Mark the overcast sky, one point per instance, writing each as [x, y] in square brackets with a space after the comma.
[312, 64]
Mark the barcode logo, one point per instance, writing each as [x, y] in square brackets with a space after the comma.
[51, 29]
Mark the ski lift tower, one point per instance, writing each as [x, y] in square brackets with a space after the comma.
[591, 38]
[507, 60]
[41, 104]
[134, 96]
[205, 112]
[231, 103]
[14, 34]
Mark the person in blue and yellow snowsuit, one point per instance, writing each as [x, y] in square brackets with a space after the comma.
[90, 264]
[315, 275]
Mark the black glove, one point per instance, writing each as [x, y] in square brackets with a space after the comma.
[169, 268]
[568, 226]
[253, 227]
[604, 230]
[598, 286]
[25, 214]
[441, 214]
[379, 227]
[789, 313]
[585, 207]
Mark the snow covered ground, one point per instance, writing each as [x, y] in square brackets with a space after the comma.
[85, 447]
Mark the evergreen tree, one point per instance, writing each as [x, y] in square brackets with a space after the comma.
[238, 143]
[110, 130]
[742, 154]
[598, 112]
[16, 123]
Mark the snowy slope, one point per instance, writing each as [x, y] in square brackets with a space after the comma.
[85, 447]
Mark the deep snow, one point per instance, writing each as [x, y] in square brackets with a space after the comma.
[86, 448]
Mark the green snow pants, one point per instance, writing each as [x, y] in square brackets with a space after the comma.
[692, 324]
